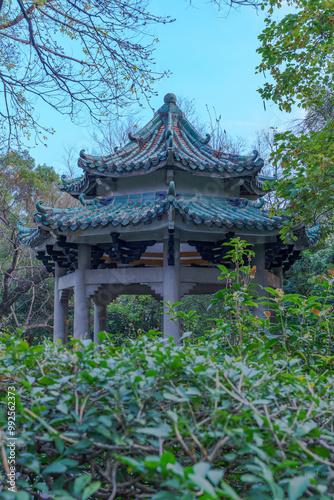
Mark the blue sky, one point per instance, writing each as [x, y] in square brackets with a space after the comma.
[212, 59]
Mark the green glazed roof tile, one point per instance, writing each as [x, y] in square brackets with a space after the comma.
[169, 131]
[124, 210]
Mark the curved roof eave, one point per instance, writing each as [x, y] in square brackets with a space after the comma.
[134, 210]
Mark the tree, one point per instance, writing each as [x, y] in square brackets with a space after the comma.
[297, 50]
[82, 57]
[25, 293]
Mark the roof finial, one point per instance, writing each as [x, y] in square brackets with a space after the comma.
[170, 99]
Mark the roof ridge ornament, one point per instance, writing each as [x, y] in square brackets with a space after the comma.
[206, 140]
[68, 180]
[171, 189]
[256, 204]
[23, 229]
[136, 138]
[87, 203]
[40, 208]
[170, 98]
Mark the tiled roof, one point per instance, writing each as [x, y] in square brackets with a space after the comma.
[168, 139]
[76, 186]
[121, 211]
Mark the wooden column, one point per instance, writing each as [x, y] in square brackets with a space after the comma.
[60, 320]
[81, 303]
[100, 319]
[171, 289]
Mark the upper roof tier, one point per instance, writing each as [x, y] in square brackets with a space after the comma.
[168, 139]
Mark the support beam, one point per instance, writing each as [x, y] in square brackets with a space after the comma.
[81, 303]
[100, 319]
[60, 321]
[171, 288]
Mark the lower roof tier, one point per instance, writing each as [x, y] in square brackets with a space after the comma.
[197, 212]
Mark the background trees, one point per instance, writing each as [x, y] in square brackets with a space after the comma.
[297, 51]
[81, 58]
[26, 297]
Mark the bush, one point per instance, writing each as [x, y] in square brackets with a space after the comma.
[160, 421]
[244, 412]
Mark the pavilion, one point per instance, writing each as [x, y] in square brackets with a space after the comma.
[152, 219]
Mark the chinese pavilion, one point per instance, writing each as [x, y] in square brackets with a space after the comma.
[152, 220]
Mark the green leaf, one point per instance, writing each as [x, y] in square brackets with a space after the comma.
[203, 484]
[56, 467]
[249, 478]
[164, 495]
[223, 269]
[173, 397]
[80, 483]
[63, 408]
[46, 381]
[33, 464]
[167, 458]
[162, 430]
[215, 476]
[229, 492]
[101, 336]
[22, 495]
[152, 461]
[201, 468]
[297, 486]
[89, 490]
[271, 343]
[320, 450]
[173, 415]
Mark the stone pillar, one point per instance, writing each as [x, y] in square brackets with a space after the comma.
[100, 319]
[261, 277]
[60, 320]
[171, 289]
[81, 303]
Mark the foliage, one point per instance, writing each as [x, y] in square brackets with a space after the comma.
[297, 51]
[159, 421]
[302, 276]
[237, 297]
[243, 415]
[128, 316]
[25, 296]
[81, 58]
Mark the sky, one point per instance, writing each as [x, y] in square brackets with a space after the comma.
[212, 59]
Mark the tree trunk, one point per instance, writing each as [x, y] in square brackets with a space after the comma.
[22, 288]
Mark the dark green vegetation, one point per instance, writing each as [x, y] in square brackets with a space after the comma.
[245, 411]
[25, 294]
[297, 51]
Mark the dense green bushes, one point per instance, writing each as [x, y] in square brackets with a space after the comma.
[155, 420]
[159, 421]
[244, 412]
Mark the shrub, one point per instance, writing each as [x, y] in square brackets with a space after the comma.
[160, 421]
